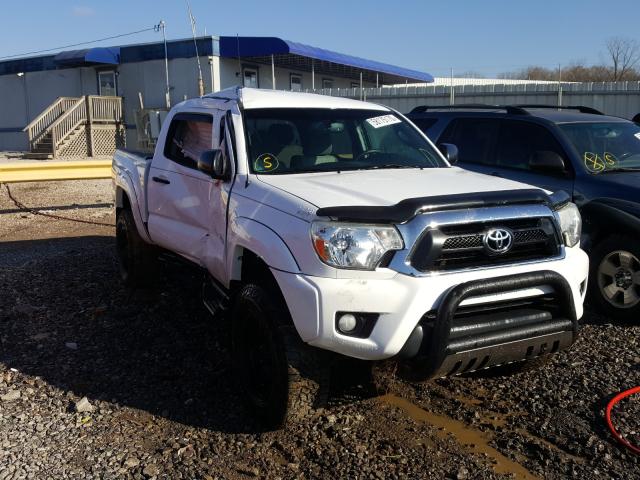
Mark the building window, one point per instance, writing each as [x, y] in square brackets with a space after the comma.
[107, 83]
[250, 77]
[327, 83]
[295, 82]
[355, 85]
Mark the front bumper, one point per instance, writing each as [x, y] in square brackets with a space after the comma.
[402, 301]
[456, 339]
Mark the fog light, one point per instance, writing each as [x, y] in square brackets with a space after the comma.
[347, 323]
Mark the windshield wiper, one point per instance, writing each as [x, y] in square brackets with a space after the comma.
[390, 165]
[621, 169]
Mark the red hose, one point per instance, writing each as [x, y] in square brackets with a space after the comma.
[615, 400]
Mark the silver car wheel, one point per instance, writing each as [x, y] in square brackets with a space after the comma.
[619, 279]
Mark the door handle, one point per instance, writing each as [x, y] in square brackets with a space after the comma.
[162, 180]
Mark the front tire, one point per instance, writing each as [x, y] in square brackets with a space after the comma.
[283, 379]
[615, 277]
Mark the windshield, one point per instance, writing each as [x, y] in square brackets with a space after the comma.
[296, 140]
[606, 147]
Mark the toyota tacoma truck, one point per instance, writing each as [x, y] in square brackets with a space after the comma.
[331, 227]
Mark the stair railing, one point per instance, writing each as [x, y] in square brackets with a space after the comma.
[105, 109]
[39, 126]
[68, 122]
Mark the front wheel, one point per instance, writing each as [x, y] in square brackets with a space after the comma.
[615, 277]
[283, 379]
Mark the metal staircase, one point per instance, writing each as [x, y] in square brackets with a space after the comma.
[85, 126]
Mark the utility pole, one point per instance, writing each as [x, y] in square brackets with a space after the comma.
[161, 27]
[559, 85]
[452, 94]
[195, 43]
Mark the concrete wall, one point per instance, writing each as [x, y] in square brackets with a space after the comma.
[618, 99]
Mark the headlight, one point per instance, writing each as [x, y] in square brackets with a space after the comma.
[570, 224]
[356, 246]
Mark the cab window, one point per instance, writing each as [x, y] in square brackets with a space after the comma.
[188, 136]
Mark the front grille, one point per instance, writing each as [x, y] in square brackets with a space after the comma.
[462, 246]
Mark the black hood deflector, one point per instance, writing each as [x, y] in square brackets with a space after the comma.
[407, 209]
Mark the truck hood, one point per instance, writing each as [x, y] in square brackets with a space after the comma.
[385, 187]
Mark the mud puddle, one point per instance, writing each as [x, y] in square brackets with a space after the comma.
[475, 440]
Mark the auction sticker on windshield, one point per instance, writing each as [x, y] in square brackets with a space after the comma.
[383, 121]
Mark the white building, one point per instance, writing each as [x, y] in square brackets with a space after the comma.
[46, 93]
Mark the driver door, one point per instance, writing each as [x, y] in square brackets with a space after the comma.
[180, 197]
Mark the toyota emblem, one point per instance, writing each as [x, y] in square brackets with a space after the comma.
[498, 241]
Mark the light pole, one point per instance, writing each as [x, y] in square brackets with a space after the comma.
[167, 96]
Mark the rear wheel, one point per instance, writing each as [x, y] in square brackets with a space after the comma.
[615, 277]
[136, 259]
[283, 379]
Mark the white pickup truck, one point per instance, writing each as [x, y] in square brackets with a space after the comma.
[329, 224]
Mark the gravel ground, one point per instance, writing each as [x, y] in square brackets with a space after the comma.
[100, 382]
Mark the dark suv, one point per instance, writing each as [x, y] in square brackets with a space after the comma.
[593, 157]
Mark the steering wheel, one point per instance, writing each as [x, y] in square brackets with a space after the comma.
[367, 152]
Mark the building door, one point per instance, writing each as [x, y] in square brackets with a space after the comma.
[107, 83]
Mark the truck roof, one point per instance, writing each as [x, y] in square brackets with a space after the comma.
[263, 98]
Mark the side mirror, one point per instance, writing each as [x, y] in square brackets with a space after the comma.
[547, 161]
[212, 162]
[450, 152]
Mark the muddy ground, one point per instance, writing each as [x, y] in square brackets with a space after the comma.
[155, 371]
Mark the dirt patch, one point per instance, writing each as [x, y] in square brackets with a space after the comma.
[155, 368]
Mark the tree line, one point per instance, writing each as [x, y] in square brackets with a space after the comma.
[622, 64]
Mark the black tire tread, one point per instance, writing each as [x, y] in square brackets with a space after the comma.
[307, 371]
[142, 268]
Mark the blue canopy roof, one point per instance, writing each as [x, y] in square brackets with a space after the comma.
[234, 47]
[88, 56]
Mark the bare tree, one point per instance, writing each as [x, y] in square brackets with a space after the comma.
[624, 54]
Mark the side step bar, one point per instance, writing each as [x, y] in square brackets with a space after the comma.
[214, 297]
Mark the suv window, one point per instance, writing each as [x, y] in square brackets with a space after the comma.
[519, 141]
[189, 135]
[424, 124]
[474, 138]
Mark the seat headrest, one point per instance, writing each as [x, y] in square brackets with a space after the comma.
[281, 133]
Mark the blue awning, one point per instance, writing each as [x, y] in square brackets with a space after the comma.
[234, 47]
[88, 56]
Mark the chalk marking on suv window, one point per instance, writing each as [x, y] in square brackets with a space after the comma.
[593, 162]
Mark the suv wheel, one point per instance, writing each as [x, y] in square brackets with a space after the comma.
[283, 379]
[136, 259]
[615, 277]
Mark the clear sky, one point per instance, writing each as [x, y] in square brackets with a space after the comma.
[488, 36]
